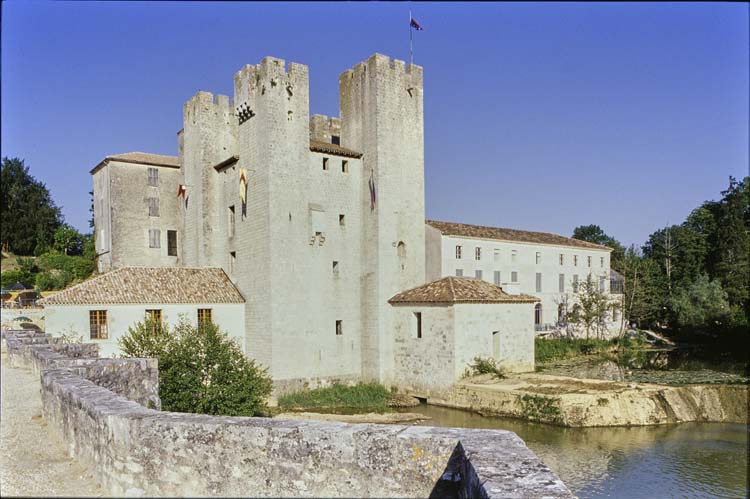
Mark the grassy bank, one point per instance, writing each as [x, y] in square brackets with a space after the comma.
[371, 397]
[547, 350]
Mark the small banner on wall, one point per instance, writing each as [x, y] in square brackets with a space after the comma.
[182, 192]
[243, 191]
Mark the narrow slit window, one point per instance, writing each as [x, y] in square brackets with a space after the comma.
[342, 220]
[418, 316]
[325, 164]
[538, 257]
[336, 139]
[538, 282]
[232, 262]
[477, 253]
[562, 259]
[344, 166]
[335, 269]
[339, 328]
[231, 221]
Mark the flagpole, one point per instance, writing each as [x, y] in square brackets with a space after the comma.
[411, 42]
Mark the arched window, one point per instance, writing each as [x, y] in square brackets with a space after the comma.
[538, 314]
[401, 251]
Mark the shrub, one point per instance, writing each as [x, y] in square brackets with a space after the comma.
[552, 349]
[201, 370]
[485, 366]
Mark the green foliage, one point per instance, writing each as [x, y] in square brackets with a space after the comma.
[365, 396]
[482, 365]
[592, 308]
[52, 280]
[595, 234]
[556, 349]
[540, 408]
[16, 275]
[702, 304]
[28, 215]
[201, 370]
[68, 240]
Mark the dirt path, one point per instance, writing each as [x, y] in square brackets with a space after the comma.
[33, 460]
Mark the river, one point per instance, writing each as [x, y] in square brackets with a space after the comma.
[686, 461]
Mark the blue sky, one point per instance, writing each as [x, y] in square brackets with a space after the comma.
[537, 116]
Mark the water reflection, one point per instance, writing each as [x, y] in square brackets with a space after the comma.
[689, 460]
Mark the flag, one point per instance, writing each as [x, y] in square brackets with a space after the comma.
[243, 191]
[182, 191]
[373, 194]
[414, 24]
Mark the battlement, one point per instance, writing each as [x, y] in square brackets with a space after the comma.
[382, 64]
[271, 77]
[205, 103]
[323, 128]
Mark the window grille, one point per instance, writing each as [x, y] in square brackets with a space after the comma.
[205, 316]
[98, 324]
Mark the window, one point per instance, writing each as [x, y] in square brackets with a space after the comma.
[232, 262]
[478, 274]
[154, 316]
[172, 243]
[538, 282]
[562, 259]
[98, 324]
[231, 221]
[602, 284]
[497, 254]
[538, 314]
[514, 276]
[575, 260]
[153, 177]
[342, 220]
[497, 278]
[154, 238]
[561, 283]
[418, 316]
[575, 283]
[335, 269]
[335, 139]
[153, 207]
[401, 252]
[459, 272]
[339, 328]
[325, 164]
[344, 166]
[458, 252]
[601, 261]
[588, 258]
[513, 255]
[205, 316]
[538, 257]
[477, 253]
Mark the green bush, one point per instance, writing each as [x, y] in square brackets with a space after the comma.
[367, 396]
[555, 349]
[51, 280]
[201, 370]
[482, 365]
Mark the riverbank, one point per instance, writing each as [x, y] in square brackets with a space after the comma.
[588, 402]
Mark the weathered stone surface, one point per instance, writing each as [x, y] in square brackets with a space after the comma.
[137, 451]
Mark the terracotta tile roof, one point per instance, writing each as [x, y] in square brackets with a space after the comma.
[460, 290]
[318, 146]
[525, 236]
[141, 158]
[151, 285]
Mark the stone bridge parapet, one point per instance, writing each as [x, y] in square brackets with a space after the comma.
[106, 411]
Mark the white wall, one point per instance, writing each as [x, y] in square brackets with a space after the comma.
[74, 319]
[475, 325]
[524, 263]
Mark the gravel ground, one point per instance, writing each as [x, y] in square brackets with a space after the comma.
[33, 460]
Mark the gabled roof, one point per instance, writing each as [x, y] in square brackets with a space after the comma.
[501, 234]
[449, 290]
[141, 158]
[151, 285]
[325, 147]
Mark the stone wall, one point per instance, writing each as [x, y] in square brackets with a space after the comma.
[137, 451]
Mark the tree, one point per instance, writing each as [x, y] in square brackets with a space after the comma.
[592, 308]
[595, 234]
[201, 370]
[701, 305]
[68, 240]
[28, 215]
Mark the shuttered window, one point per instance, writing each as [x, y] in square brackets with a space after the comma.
[538, 282]
[153, 207]
[562, 283]
[497, 278]
[154, 238]
[153, 177]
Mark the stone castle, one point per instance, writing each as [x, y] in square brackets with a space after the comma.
[320, 223]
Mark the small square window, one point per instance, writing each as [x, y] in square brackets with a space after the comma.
[339, 328]
[325, 164]
[335, 139]
[342, 220]
[459, 272]
[344, 166]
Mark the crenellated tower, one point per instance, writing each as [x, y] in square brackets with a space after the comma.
[382, 116]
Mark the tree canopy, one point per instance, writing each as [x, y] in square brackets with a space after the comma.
[28, 215]
[595, 234]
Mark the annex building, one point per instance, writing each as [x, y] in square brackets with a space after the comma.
[319, 224]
